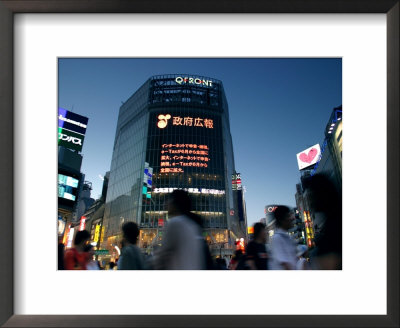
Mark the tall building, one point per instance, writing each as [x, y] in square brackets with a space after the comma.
[85, 201]
[240, 204]
[94, 218]
[71, 135]
[330, 162]
[173, 133]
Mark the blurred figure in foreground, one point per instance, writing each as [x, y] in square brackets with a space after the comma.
[60, 258]
[235, 259]
[283, 247]
[220, 264]
[256, 252]
[131, 257]
[326, 202]
[183, 247]
[91, 264]
[302, 253]
[76, 258]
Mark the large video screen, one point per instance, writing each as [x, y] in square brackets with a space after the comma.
[67, 187]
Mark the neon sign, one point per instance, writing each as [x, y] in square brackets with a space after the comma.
[82, 224]
[271, 209]
[67, 138]
[193, 80]
[66, 235]
[184, 121]
[176, 156]
[65, 119]
[70, 237]
[191, 191]
[236, 182]
[97, 233]
[163, 120]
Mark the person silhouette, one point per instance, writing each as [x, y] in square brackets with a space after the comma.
[183, 247]
[131, 257]
[325, 202]
[283, 247]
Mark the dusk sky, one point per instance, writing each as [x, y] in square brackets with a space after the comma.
[277, 108]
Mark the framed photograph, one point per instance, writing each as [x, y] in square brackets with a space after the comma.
[33, 38]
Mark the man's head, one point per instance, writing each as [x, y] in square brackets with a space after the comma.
[130, 232]
[89, 249]
[81, 238]
[179, 202]
[322, 194]
[284, 217]
[260, 234]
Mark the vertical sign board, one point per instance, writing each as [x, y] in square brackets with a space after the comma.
[71, 129]
[147, 180]
[236, 182]
[61, 225]
[102, 234]
[70, 237]
[82, 223]
[96, 233]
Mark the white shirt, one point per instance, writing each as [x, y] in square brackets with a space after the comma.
[183, 246]
[301, 264]
[283, 250]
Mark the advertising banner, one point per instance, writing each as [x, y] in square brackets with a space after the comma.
[71, 129]
[236, 182]
[67, 187]
[308, 157]
[70, 139]
[71, 121]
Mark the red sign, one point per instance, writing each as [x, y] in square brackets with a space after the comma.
[82, 223]
[160, 222]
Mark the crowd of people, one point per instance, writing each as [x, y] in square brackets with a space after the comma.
[184, 247]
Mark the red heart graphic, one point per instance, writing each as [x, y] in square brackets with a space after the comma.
[308, 158]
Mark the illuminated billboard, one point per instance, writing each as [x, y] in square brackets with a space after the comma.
[236, 182]
[82, 223]
[193, 80]
[67, 187]
[188, 154]
[69, 139]
[308, 157]
[269, 214]
[163, 120]
[71, 129]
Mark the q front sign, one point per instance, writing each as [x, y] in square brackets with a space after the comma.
[193, 80]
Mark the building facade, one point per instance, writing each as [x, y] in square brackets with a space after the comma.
[173, 133]
[331, 150]
[71, 135]
[330, 164]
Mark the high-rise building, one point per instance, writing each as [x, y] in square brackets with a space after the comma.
[173, 133]
[331, 150]
[329, 163]
[71, 134]
[240, 204]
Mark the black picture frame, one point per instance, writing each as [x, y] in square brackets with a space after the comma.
[10, 7]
